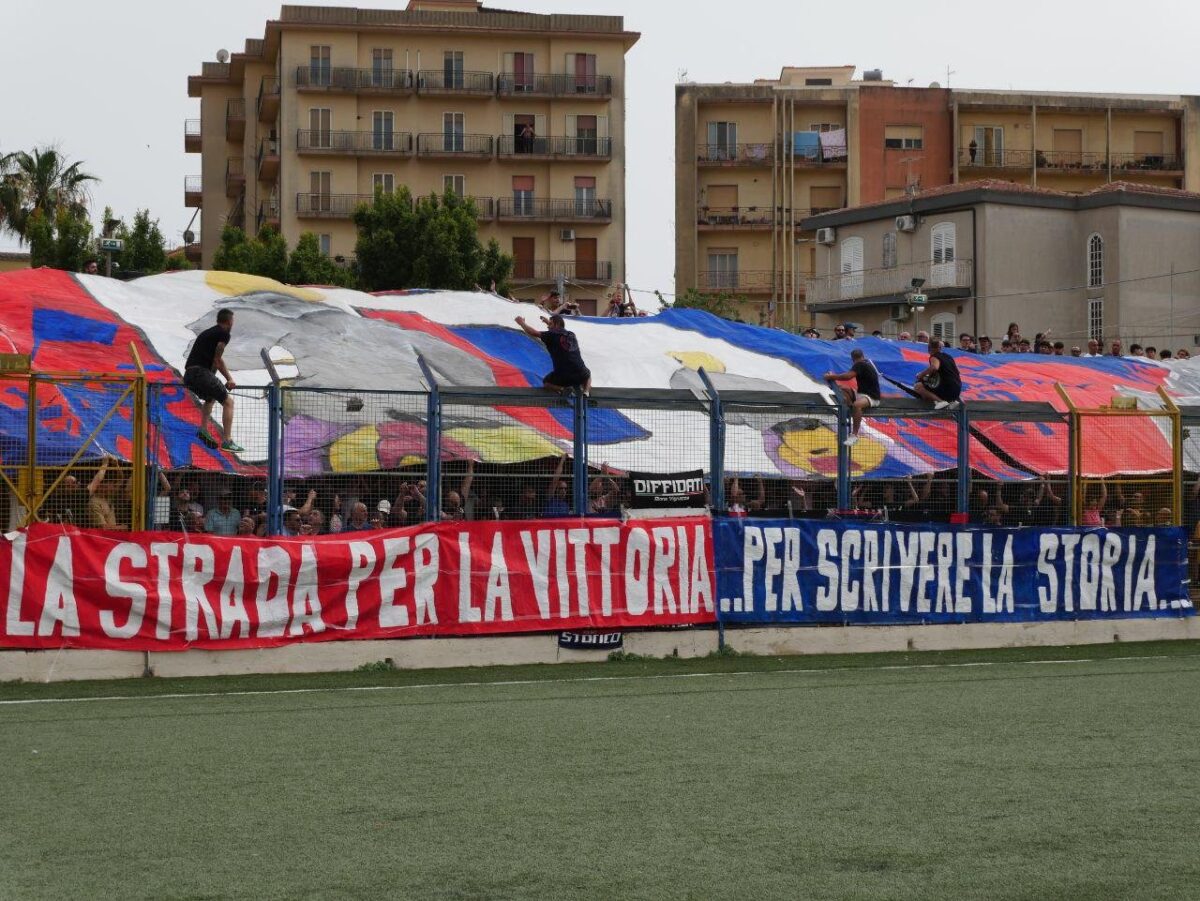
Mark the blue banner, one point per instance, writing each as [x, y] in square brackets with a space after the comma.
[810, 571]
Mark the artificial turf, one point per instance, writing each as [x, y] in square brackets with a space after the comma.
[986, 775]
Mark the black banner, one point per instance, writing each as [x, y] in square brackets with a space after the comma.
[591, 641]
[675, 489]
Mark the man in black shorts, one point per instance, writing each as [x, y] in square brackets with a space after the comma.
[569, 369]
[200, 377]
[864, 396]
[940, 383]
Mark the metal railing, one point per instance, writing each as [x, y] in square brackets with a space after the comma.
[268, 96]
[511, 83]
[345, 78]
[330, 206]
[268, 211]
[366, 142]
[995, 159]
[1067, 160]
[193, 184]
[237, 212]
[1143, 162]
[736, 280]
[442, 143]
[554, 210]
[439, 81]
[549, 270]
[761, 154]
[235, 108]
[895, 281]
[1071, 160]
[578, 146]
[745, 216]
[192, 131]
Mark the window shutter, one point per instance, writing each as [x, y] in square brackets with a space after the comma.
[570, 68]
[539, 128]
[510, 125]
[602, 126]
[572, 131]
[506, 65]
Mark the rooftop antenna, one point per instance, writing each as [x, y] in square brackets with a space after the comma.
[949, 72]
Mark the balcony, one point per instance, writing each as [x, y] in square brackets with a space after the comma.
[582, 87]
[192, 252]
[740, 281]
[329, 206]
[485, 208]
[454, 146]
[192, 136]
[1072, 162]
[237, 212]
[268, 213]
[1166, 164]
[193, 191]
[268, 99]
[879, 286]
[343, 80]
[437, 82]
[268, 160]
[735, 154]
[576, 148]
[597, 271]
[235, 119]
[995, 159]
[735, 218]
[511, 209]
[235, 176]
[353, 143]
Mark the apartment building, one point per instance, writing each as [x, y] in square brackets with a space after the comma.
[755, 161]
[1121, 261]
[525, 113]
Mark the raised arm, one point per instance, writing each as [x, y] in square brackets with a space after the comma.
[557, 479]
[465, 488]
[527, 328]
[98, 478]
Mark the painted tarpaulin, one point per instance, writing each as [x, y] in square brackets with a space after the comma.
[347, 343]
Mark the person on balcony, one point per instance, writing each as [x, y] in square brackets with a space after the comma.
[862, 397]
[569, 369]
[204, 360]
[939, 383]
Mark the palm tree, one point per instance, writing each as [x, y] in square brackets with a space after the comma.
[40, 182]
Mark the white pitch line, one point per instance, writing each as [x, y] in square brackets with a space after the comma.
[584, 679]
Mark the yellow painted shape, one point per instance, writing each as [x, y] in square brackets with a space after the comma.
[355, 452]
[694, 359]
[507, 444]
[815, 451]
[235, 284]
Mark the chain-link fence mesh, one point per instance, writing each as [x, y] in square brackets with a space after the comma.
[1122, 489]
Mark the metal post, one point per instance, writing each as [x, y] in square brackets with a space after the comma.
[843, 452]
[963, 420]
[274, 447]
[137, 457]
[716, 444]
[1176, 456]
[1073, 499]
[433, 444]
[579, 464]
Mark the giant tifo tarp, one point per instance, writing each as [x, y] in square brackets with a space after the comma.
[339, 339]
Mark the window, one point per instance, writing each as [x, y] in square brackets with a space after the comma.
[382, 74]
[455, 184]
[986, 147]
[851, 266]
[320, 190]
[1096, 318]
[519, 69]
[452, 69]
[1095, 262]
[942, 326]
[522, 188]
[453, 131]
[942, 270]
[585, 196]
[722, 268]
[581, 73]
[326, 242]
[823, 126]
[903, 137]
[383, 181]
[586, 131]
[722, 141]
[318, 64]
[383, 135]
[889, 250]
[319, 122]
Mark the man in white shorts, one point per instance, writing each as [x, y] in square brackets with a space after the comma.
[864, 395]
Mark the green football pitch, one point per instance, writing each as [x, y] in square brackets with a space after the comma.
[1036, 774]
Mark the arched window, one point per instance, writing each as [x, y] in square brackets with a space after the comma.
[889, 250]
[1095, 262]
[852, 267]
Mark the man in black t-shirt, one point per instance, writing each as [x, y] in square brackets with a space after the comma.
[862, 397]
[199, 376]
[939, 383]
[569, 369]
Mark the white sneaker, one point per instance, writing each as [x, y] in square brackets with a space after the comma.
[941, 404]
[851, 440]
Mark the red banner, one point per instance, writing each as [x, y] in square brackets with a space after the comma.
[166, 591]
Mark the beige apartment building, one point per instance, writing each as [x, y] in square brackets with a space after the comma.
[755, 161]
[524, 113]
[1121, 261]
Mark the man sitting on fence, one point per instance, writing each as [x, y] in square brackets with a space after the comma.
[939, 383]
[569, 369]
[199, 377]
[865, 396]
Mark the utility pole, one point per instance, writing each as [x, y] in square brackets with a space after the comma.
[560, 285]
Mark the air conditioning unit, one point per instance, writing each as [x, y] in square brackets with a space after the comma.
[567, 234]
[826, 235]
[906, 223]
[900, 312]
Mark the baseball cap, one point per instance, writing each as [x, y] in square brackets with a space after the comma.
[384, 506]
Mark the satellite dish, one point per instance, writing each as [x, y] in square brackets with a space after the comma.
[189, 237]
[222, 55]
[934, 84]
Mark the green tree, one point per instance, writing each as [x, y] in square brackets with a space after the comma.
[177, 262]
[307, 265]
[61, 242]
[722, 304]
[145, 247]
[496, 268]
[41, 181]
[430, 243]
[265, 255]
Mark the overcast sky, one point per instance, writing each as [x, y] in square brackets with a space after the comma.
[107, 82]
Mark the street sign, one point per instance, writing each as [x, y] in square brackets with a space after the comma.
[111, 245]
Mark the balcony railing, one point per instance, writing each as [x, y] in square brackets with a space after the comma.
[192, 136]
[485, 207]
[737, 216]
[454, 144]
[235, 176]
[995, 159]
[268, 98]
[235, 118]
[235, 108]
[529, 84]
[439, 81]
[736, 280]
[894, 282]
[1143, 162]
[237, 212]
[576, 147]
[1070, 159]
[565, 210]
[330, 206]
[736, 154]
[365, 142]
[549, 270]
[268, 212]
[350, 80]
[193, 190]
